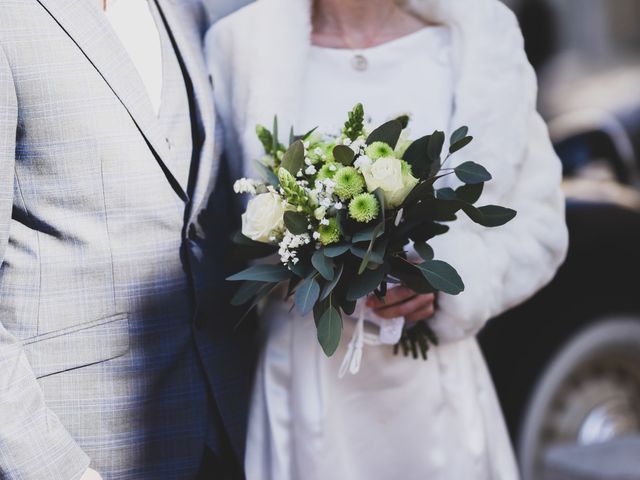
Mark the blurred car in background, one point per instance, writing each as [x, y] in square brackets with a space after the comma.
[566, 364]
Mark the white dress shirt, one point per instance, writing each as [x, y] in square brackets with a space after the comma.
[134, 24]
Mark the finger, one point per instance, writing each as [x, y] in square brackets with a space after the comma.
[422, 314]
[393, 296]
[406, 308]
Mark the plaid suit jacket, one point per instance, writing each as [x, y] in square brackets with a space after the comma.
[116, 346]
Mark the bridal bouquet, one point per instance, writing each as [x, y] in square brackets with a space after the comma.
[341, 212]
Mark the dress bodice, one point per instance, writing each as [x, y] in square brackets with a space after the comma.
[410, 75]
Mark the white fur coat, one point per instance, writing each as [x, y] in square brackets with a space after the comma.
[257, 61]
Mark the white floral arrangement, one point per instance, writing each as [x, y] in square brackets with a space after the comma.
[341, 210]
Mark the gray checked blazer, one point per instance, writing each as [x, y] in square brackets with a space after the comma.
[116, 347]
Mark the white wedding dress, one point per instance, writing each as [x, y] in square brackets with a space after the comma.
[398, 418]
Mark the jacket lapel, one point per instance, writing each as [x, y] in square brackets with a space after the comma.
[187, 33]
[87, 26]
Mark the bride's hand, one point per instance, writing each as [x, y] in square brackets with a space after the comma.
[404, 302]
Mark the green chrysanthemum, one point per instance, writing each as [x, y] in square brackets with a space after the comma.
[379, 150]
[349, 182]
[406, 168]
[364, 208]
[328, 170]
[329, 233]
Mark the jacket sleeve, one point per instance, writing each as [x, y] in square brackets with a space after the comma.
[503, 267]
[33, 443]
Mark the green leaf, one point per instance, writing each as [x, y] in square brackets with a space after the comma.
[417, 156]
[296, 222]
[301, 269]
[330, 331]
[328, 288]
[349, 306]
[364, 284]
[343, 155]
[379, 254]
[471, 172]
[404, 121]
[434, 149]
[335, 250]
[367, 234]
[354, 125]
[458, 135]
[424, 250]
[442, 276]
[494, 216]
[265, 137]
[262, 273]
[322, 264]
[446, 194]
[293, 159]
[246, 292]
[267, 174]
[470, 193]
[388, 133]
[460, 144]
[274, 136]
[361, 253]
[410, 276]
[307, 295]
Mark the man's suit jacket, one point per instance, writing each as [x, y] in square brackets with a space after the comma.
[115, 343]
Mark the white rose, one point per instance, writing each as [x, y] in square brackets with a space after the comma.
[388, 174]
[264, 217]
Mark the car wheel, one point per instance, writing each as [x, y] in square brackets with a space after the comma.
[589, 393]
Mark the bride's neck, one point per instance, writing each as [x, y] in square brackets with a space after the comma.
[360, 21]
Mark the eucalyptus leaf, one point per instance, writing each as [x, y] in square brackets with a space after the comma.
[446, 193]
[246, 292]
[458, 135]
[307, 295]
[349, 306]
[328, 288]
[442, 276]
[296, 222]
[367, 234]
[424, 250]
[471, 172]
[322, 264]
[388, 133]
[416, 156]
[262, 273]
[330, 331]
[335, 250]
[460, 144]
[267, 174]
[495, 216]
[365, 283]
[293, 159]
[470, 193]
[434, 149]
[343, 155]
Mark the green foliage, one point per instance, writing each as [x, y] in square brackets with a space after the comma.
[343, 154]
[354, 125]
[296, 222]
[323, 264]
[330, 330]
[262, 273]
[307, 295]
[471, 172]
[442, 276]
[388, 133]
[293, 159]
